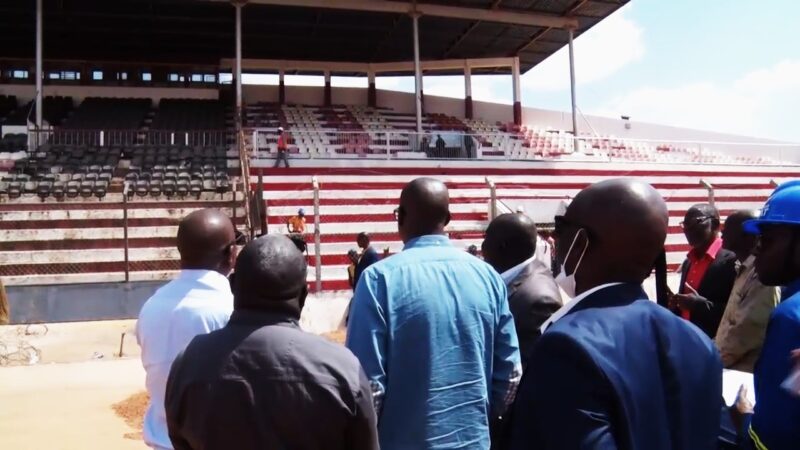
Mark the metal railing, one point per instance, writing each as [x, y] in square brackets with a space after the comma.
[122, 138]
[320, 143]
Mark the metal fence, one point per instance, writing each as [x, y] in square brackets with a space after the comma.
[118, 138]
[516, 145]
[119, 238]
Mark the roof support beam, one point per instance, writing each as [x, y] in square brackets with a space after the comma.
[453, 12]
[335, 66]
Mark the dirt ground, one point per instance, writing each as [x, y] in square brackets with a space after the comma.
[68, 405]
[64, 386]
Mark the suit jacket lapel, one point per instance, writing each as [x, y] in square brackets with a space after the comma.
[617, 295]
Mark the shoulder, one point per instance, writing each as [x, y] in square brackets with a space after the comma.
[638, 323]
[725, 257]
[788, 310]
[326, 357]
[536, 285]
[206, 310]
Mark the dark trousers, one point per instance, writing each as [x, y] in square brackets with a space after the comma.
[281, 156]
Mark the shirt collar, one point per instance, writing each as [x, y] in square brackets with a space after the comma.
[429, 240]
[742, 266]
[210, 278]
[712, 250]
[509, 275]
[262, 318]
[571, 304]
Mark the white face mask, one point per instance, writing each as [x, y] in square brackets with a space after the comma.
[567, 282]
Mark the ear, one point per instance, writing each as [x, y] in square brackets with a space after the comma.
[447, 219]
[301, 300]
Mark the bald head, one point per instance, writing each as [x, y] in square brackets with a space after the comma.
[206, 241]
[733, 236]
[271, 275]
[510, 239]
[622, 224]
[424, 208]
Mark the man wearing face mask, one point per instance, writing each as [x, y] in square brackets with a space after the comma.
[613, 369]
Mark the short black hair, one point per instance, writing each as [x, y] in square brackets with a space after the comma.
[299, 242]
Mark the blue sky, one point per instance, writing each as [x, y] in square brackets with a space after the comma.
[723, 65]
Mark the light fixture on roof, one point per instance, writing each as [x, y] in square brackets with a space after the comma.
[627, 120]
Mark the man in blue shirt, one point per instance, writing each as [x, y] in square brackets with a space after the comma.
[775, 422]
[433, 331]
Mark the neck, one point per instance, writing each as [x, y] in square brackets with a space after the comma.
[503, 266]
[189, 266]
[742, 256]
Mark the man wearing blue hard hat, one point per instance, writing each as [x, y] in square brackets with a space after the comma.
[774, 423]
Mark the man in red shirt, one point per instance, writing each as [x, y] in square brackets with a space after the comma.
[707, 274]
[282, 149]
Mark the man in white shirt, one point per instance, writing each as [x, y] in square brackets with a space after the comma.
[197, 302]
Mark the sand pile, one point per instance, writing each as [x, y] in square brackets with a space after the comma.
[337, 336]
[132, 410]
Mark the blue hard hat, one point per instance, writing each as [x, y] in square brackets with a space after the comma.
[782, 207]
[301, 212]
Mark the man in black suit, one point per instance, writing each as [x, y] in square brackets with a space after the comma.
[510, 247]
[368, 256]
[707, 274]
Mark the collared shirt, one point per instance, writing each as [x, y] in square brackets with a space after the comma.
[564, 310]
[698, 265]
[434, 309]
[744, 323]
[197, 302]
[263, 383]
[509, 275]
[777, 412]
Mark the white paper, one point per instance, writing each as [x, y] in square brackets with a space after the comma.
[732, 380]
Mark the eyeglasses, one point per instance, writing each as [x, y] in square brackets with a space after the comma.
[693, 223]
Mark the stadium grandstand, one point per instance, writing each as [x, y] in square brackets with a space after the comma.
[119, 118]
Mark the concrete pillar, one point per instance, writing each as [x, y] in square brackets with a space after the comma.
[39, 93]
[417, 75]
[517, 96]
[576, 146]
[327, 99]
[467, 92]
[238, 70]
[281, 88]
[372, 93]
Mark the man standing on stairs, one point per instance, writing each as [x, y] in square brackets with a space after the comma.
[297, 224]
[282, 149]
